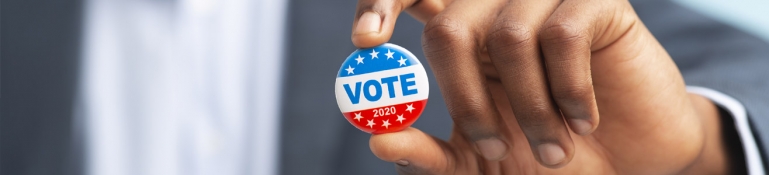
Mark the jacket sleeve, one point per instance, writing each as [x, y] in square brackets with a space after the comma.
[714, 55]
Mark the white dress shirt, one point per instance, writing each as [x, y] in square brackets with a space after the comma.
[182, 87]
[738, 112]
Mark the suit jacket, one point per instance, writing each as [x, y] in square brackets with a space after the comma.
[39, 53]
[40, 47]
[708, 53]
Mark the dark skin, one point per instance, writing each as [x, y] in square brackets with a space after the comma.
[548, 87]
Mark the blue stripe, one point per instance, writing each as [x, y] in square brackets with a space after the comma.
[381, 63]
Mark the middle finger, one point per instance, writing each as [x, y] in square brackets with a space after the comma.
[515, 53]
[452, 41]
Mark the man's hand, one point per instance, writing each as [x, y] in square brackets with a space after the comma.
[526, 80]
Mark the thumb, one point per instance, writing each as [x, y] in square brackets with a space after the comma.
[375, 19]
[413, 151]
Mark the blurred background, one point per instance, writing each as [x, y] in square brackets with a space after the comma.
[220, 87]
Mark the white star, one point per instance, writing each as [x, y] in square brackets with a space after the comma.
[400, 118]
[357, 116]
[402, 61]
[349, 70]
[374, 54]
[386, 124]
[389, 54]
[410, 107]
[370, 123]
[359, 59]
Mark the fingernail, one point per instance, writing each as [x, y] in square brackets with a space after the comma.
[551, 154]
[580, 126]
[402, 162]
[368, 22]
[492, 148]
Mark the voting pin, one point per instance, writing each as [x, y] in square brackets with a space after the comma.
[382, 89]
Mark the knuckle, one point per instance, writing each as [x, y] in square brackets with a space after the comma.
[510, 34]
[470, 117]
[574, 93]
[469, 120]
[468, 112]
[442, 29]
[444, 39]
[562, 33]
[571, 94]
[536, 116]
[540, 108]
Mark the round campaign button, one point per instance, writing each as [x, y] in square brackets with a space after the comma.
[382, 89]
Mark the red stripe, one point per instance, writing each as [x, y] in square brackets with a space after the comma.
[385, 113]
